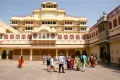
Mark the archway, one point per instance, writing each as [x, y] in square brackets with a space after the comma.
[102, 53]
[10, 55]
[4, 54]
[78, 53]
[84, 52]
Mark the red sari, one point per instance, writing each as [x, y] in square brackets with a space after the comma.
[20, 61]
[72, 62]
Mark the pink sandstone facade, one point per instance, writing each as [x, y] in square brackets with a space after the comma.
[50, 31]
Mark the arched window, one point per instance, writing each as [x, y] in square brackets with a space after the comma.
[28, 28]
[54, 22]
[43, 6]
[77, 37]
[23, 37]
[119, 20]
[48, 36]
[65, 36]
[5, 36]
[71, 37]
[114, 22]
[42, 22]
[35, 36]
[59, 36]
[96, 33]
[29, 37]
[110, 25]
[11, 36]
[1, 36]
[53, 36]
[17, 36]
[83, 36]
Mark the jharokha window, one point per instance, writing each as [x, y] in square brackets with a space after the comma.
[65, 37]
[83, 36]
[77, 37]
[23, 37]
[71, 37]
[52, 36]
[35, 36]
[17, 36]
[29, 37]
[114, 22]
[1, 36]
[11, 36]
[5, 36]
[119, 20]
[47, 35]
[110, 25]
[59, 36]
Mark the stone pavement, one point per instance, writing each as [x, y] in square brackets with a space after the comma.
[35, 70]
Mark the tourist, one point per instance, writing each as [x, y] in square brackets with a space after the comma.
[20, 61]
[77, 61]
[61, 63]
[72, 62]
[48, 62]
[83, 60]
[52, 64]
[68, 63]
[90, 59]
[93, 61]
[44, 59]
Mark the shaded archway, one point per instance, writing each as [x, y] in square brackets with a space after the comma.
[78, 53]
[102, 53]
[10, 55]
[84, 52]
[4, 54]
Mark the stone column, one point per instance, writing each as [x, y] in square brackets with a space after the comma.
[21, 52]
[7, 52]
[66, 52]
[56, 53]
[30, 54]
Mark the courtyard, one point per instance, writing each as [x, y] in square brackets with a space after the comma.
[35, 70]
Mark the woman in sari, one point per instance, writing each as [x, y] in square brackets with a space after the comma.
[68, 63]
[20, 62]
[72, 62]
[93, 64]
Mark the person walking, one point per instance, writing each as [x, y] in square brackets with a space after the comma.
[83, 60]
[20, 62]
[44, 59]
[61, 63]
[48, 62]
[52, 64]
[77, 61]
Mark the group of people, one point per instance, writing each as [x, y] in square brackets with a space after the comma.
[79, 61]
[49, 60]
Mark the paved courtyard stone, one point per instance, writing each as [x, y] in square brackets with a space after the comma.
[35, 70]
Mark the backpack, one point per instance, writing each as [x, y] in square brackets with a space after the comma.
[82, 59]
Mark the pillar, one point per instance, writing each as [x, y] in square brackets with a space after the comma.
[30, 54]
[21, 52]
[56, 53]
[66, 52]
[7, 52]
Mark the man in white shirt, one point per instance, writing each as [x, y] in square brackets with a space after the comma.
[61, 63]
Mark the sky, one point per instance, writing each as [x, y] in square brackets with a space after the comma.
[91, 9]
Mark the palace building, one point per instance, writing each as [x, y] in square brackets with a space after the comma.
[50, 30]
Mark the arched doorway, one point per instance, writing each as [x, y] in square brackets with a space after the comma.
[10, 55]
[78, 53]
[84, 52]
[102, 53]
[4, 54]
